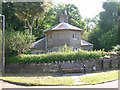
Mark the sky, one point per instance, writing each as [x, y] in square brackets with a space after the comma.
[87, 8]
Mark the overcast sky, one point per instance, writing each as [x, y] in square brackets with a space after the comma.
[87, 8]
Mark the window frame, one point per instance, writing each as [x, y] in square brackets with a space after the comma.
[74, 36]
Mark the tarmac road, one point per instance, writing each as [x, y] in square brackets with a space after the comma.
[112, 84]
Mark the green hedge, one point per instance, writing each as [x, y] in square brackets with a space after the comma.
[56, 56]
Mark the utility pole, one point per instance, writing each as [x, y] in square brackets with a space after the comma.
[3, 44]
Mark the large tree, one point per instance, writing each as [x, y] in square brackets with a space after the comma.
[105, 33]
[29, 12]
[109, 39]
[108, 18]
[12, 21]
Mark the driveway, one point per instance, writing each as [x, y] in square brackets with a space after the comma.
[113, 84]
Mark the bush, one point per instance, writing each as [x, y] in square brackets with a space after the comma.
[17, 42]
[57, 56]
[117, 49]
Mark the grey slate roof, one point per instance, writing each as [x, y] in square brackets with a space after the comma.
[85, 43]
[40, 44]
[62, 26]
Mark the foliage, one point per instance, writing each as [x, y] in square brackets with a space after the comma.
[108, 18]
[51, 17]
[56, 56]
[109, 39]
[24, 15]
[119, 23]
[29, 12]
[65, 48]
[85, 35]
[104, 77]
[105, 35]
[117, 49]
[9, 12]
[18, 42]
[93, 37]
[90, 23]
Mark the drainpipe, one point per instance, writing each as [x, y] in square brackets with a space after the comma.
[80, 40]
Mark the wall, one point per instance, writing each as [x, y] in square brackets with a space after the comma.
[76, 43]
[59, 38]
[64, 67]
[62, 37]
[87, 47]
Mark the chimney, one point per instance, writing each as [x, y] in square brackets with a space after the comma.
[63, 17]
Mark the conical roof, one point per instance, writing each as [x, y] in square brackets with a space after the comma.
[63, 26]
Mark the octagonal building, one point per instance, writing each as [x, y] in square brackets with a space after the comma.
[60, 35]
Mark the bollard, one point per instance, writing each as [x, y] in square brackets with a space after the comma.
[84, 67]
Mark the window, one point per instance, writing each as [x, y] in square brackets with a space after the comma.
[49, 50]
[75, 36]
[50, 36]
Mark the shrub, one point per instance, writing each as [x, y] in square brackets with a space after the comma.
[65, 48]
[117, 49]
[57, 56]
[17, 42]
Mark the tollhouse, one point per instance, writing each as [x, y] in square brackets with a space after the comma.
[60, 35]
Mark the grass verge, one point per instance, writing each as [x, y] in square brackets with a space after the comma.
[38, 80]
[41, 80]
[100, 77]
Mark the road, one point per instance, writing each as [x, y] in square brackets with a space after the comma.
[113, 84]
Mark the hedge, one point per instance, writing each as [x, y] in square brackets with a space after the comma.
[55, 56]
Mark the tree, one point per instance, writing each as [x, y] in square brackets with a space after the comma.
[109, 39]
[18, 42]
[104, 35]
[119, 23]
[29, 12]
[73, 13]
[93, 37]
[91, 23]
[12, 22]
[108, 18]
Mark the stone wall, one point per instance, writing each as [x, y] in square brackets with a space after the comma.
[64, 67]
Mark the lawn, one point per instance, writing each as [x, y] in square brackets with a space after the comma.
[100, 77]
[39, 80]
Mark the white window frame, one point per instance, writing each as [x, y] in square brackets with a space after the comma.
[74, 36]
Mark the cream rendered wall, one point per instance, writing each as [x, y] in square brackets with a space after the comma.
[75, 43]
[59, 38]
[62, 37]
